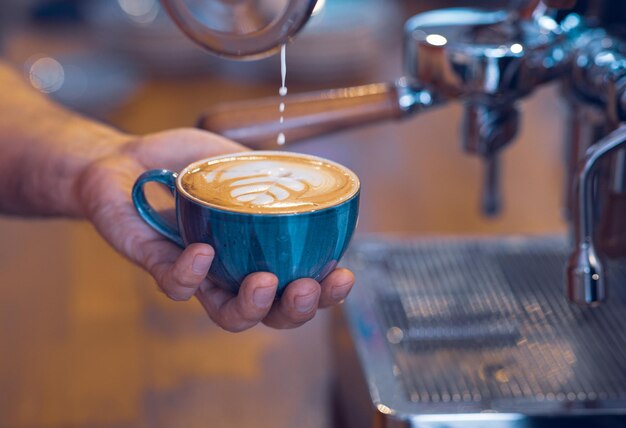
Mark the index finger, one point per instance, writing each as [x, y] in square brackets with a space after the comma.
[181, 277]
[177, 148]
[240, 312]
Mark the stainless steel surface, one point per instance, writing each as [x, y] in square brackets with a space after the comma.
[487, 128]
[476, 333]
[240, 28]
[412, 98]
[586, 276]
[599, 77]
[491, 201]
[599, 71]
[586, 124]
[471, 52]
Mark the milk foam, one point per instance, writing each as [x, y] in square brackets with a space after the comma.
[277, 183]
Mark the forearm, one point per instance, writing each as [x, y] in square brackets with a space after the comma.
[43, 150]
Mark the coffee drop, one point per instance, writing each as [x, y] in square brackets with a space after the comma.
[282, 91]
[283, 70]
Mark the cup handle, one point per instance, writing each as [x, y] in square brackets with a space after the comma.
[145, 210]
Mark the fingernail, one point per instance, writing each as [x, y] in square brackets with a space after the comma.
[305, 303]
[263, 297]
[201, 263]
[340, 293]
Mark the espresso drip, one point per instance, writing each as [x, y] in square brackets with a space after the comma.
[281, 140]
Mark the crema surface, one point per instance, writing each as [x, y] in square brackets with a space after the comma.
[269, 183]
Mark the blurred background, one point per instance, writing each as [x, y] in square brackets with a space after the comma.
[88, 341]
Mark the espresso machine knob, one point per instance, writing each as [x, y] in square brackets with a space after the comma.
[240, 29]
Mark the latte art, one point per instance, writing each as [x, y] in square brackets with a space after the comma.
[269, 182]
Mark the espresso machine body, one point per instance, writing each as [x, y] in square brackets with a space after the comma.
[478, 332]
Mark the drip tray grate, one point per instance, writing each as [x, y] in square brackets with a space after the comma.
[484, 325]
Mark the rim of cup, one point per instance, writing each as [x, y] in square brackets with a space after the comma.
[199, 201]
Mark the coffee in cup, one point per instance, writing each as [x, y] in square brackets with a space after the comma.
[286, 213]
[269, 183]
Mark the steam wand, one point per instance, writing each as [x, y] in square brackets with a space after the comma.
[586, 275]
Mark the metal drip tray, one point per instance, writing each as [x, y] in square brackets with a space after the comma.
[465, 332]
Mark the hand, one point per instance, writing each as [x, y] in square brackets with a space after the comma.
[104, 192]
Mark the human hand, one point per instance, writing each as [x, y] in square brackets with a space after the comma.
[104, 192]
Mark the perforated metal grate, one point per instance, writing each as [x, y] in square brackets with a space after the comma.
[486, 321]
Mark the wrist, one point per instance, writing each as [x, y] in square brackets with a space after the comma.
[86, 145]
[54, 164]
[43, 150]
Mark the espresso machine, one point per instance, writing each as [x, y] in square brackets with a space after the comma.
[506, 332]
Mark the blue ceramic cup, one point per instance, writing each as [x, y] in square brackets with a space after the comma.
[291, 246]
